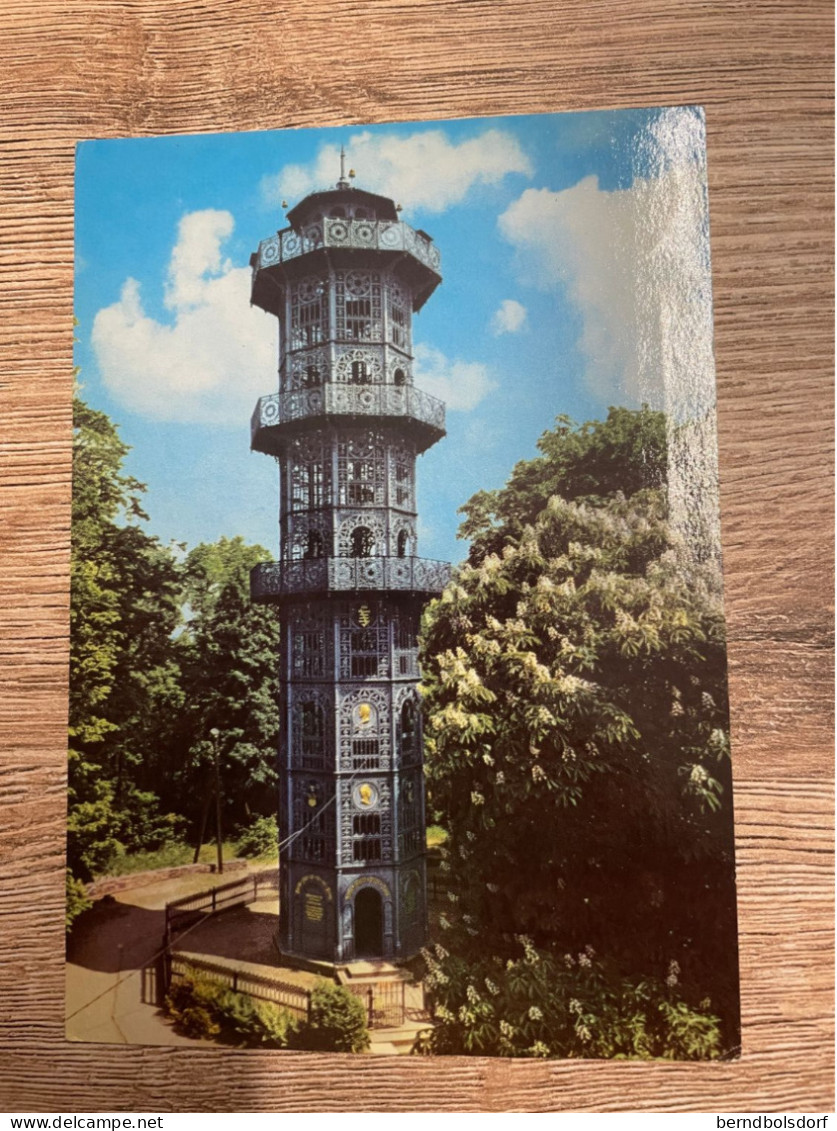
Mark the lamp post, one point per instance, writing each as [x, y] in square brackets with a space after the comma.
[215, 734]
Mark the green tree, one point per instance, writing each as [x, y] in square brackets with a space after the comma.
[537, 1004]
[124, 606]
[101, 493]
[230, 682]
[624, 454]
[162, 653]
[575, 688]
[210, 567]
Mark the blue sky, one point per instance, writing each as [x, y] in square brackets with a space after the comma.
[575, 276]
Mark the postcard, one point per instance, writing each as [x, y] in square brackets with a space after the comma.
[398, 700]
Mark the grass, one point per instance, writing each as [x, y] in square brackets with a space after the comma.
[174, 855]
[171, 856]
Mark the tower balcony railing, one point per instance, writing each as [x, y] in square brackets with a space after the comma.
[272, 580]
[375, 235]
[404, 401]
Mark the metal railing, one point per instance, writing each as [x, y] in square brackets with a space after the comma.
[182, 913]
[375, 235]
[385, 1003]
[406, 402]
[291, 997]
[270, 580]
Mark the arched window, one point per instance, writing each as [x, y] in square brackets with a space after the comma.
[366, 837]
[363, 542]
[314, 546]
[311, 737]
[409, 805]
[360, 373]
[401, 548]
[409, 731]
[312, 375]
[399, 377]
[403, 479]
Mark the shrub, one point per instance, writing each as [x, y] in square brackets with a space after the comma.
[260, 839]
[200, 1007]
[578, 1006]
[336, 1021]
[77, 900]
[191, 1005]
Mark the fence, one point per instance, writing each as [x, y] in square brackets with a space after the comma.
[387, 1004]
[182, 913]
[291, 997]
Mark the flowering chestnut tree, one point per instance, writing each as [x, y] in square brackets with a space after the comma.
[577, 751]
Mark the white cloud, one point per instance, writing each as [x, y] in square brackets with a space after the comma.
[460, 384]
[509, 317]
[424, 170]
[635, 263]
[214, 359]
[196, 255]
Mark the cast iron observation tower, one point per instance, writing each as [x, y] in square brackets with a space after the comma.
[344, 279]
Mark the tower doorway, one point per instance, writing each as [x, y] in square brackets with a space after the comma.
[369, 924]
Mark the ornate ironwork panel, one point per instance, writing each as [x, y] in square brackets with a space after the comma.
[364, 729]
[406, 403]
[410, 817]
[272, 580]
[361, 471]
[311, 729]
[366, 234]
[309, 313]
[307, 369]
[311, 646]
[366, 820]
[308, 536]
[358, 365]
[314, 822]
[361, 535]
[399, 307]
[357, 303]
[365, 651]
[307, 467]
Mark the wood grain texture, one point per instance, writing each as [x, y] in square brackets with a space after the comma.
[763, 69]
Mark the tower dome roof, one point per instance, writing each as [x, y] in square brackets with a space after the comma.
[379, 207]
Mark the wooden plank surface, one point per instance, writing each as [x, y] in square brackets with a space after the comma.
[763, 70]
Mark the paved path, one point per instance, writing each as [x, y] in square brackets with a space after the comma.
[111, 991]
[112, 969]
